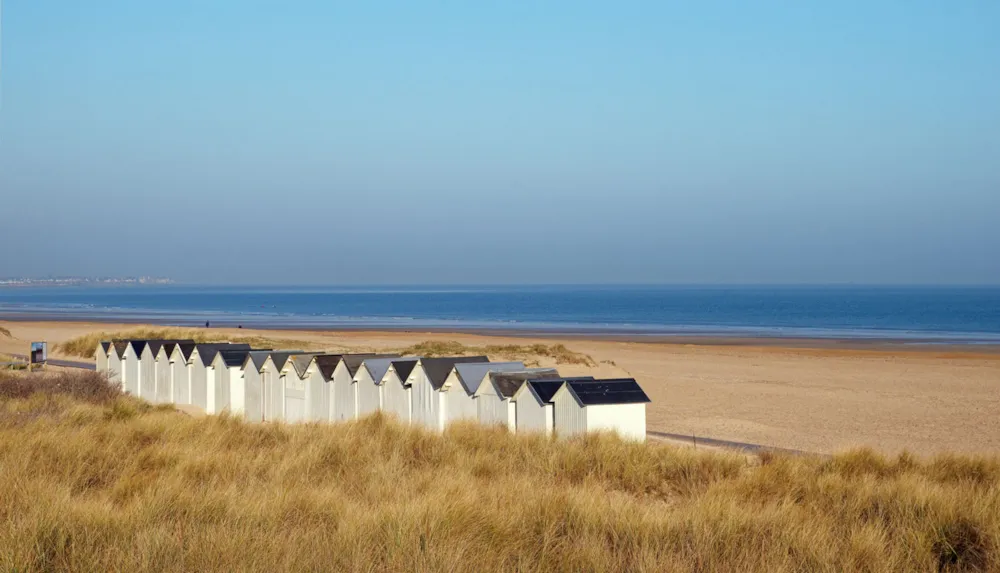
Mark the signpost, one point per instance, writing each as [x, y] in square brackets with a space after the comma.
[39, 354]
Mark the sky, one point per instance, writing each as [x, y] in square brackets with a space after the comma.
[321, 142]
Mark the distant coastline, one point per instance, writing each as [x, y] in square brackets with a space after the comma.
[25, 282]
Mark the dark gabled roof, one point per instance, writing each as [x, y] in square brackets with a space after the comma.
[280, 357]
[547, 388]
[327, 363]
[138, 346]
[120, 347]
[377, 367]
[207, 352]
[168, 348]
[403, 368]
[186, 349]
[106, 345]
[301, 362]
[257, 358]
[233, 357]
[612, 391]
[507, 383]
[353, 362]
[471, 375]
[156, 345]
[438, 369]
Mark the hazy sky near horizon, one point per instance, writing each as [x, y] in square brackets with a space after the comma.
[493, 142]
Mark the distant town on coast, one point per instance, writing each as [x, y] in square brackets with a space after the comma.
[82, 281]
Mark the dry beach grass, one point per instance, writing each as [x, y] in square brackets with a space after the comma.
[83, 346]
[817, 396]
[92, 480]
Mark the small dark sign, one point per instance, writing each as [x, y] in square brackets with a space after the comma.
[39, 352]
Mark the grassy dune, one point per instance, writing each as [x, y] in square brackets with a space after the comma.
[84, 345]
[529, 353]
[93, 481]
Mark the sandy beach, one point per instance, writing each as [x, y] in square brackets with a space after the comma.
[818, 396]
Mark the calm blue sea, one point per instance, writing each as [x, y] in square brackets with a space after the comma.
[920, 314]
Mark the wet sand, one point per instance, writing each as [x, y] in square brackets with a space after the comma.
[812, 395]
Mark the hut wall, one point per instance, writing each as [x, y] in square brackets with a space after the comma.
[368, 392]
[180, 382]
[627, 420]
[490, 409]
[343, 395]
[114, 367]
[130, 372]
[101, 359]
[162, 382]
[426, 401]
[396, 398]
[317, 397]
[295, 397]
[458, 405]
[147, 375]
[531, 415]
[198, 383]
[272, 395]
[253, 402]
[570, 418]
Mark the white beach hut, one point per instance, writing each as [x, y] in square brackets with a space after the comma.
[396, 389]
[130, 366]
[245, 395]
[147, 371]
[272, 386]
[459, 389]
[101, 355]
[161, 371]
[293, 383]
[368, 384]
[343, 400]
[425, 382]
[616, 405]
[320, 389]
[200, 369]
[318, 374]
[146, 383]
[164, 372]
[226, 369]
[154, 372]
[494, 404]
[180, 375]
[115, 353]
[533, 409]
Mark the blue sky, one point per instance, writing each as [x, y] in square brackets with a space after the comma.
[487, 142]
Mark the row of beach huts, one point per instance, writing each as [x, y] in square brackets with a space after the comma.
[296, 386]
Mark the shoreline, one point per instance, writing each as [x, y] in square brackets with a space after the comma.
[935, 344]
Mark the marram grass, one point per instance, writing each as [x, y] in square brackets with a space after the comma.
[94, 481]
[85, 345]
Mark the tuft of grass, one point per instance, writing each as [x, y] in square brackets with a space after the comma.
[115, 485]
[529, 353]
[5, 333]
[86, 386]
[84, 345]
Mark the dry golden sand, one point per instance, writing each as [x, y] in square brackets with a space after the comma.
[819, 398]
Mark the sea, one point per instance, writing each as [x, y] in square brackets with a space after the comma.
[921, 315]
